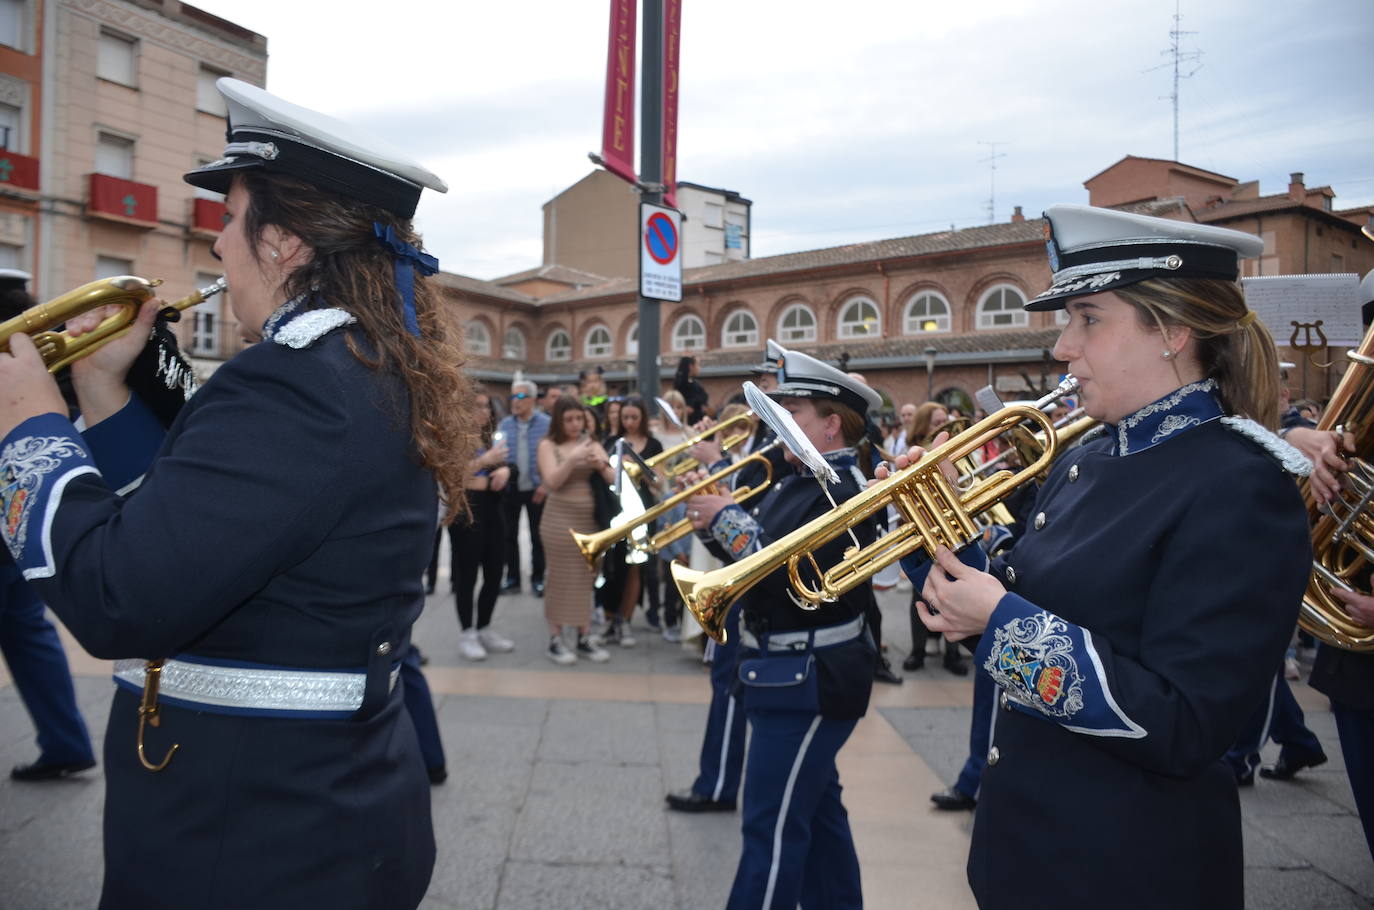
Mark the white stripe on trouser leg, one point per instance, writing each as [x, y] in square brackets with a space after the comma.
[1268, 719]
[724, 750]
[782, 811]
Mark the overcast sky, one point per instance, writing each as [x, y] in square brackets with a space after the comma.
[842, 122]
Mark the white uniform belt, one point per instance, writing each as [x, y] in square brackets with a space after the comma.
[826, 637]
[253, 690]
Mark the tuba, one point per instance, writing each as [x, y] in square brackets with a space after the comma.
[1343, 530]
[935, 512]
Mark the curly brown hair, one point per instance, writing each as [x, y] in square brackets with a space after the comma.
[350, 269]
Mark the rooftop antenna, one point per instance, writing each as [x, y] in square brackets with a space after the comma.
[991, 160]
[1180, 58]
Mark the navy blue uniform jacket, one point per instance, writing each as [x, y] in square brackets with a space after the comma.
[285, 521]
[1152, 595]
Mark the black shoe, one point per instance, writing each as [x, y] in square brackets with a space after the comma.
[41, 770]
[692, 801]
[882, 672]
[538, 587]
[1287, 767]
[954, 664]
[438, 775]
[953, 800]
[914, 661]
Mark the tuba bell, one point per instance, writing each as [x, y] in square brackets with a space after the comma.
[1343, 530]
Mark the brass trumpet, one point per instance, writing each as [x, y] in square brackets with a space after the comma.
[935, 513]
[59, 349]
[676, 468]
[593, 545]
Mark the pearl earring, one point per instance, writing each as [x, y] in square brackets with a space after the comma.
[1167, 355]
[274, 254]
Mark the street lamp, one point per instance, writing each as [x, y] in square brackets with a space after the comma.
[930, 353]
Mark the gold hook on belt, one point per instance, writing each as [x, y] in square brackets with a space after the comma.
[147, 714]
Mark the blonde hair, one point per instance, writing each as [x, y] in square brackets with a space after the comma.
[1241, 358]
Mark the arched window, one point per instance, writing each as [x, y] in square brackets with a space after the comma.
[689, 334]
[859, 319]
[741, 330]
[598, 344]
[798, 323]
[478, 341]
[632, 341]
[513, 345]
[926, 312]
[1001, 308]
[559, 346]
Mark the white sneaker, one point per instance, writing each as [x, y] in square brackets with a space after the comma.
[672, 634]
[559, 653]
[589, 648]
[494, 641]
[470, 646]
[627, 638]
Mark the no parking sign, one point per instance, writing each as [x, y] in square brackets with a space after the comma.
[660, 253]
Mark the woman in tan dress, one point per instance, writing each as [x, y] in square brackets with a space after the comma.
[567, 457]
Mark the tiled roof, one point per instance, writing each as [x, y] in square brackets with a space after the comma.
[1253, 206]
[561, 274]
[464, 283]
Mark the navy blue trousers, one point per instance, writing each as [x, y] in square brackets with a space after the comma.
[1278, 718]
[1356, 730]
[722, 749]
[420, 707]
[39, 667]
[797, 845]
[979, 734]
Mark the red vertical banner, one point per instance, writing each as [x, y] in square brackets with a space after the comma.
[618, 122]
[672, 39]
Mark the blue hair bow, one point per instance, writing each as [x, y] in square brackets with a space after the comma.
[408, 260]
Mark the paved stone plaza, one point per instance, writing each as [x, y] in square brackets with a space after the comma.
[556, 783]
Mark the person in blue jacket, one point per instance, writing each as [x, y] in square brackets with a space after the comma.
[257, 589]
[805, 675]
[1137, 623]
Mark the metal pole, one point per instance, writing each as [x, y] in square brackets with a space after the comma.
[650, 174]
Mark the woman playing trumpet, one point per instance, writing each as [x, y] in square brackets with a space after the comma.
[1138, 621]
[272, 554]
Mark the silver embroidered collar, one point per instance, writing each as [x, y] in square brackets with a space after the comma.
[1188, 406]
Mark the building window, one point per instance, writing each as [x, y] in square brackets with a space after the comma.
[598, 344]
[205, 320]
[513, 344]
[741, 330]
[927, 312]
[689, 334]
[11, 128]
[118, 58]
[859, 319]
[798, 323]
[476, 339]
[208, 98]
[1002, 308]
[112, 267]
[114, 156]
[632, 341]
[12, 257]
[559, 346]
[12, 23]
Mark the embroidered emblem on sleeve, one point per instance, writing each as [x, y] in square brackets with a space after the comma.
[735, 530]
[24, 466]
[1033, 660]
[310, 326]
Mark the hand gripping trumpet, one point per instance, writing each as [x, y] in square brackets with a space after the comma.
[934, 511]
[60, 349]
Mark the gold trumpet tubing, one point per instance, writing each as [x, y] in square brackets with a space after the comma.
[936, 513]
[678, 468]
[593, 545]
[126, 291]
